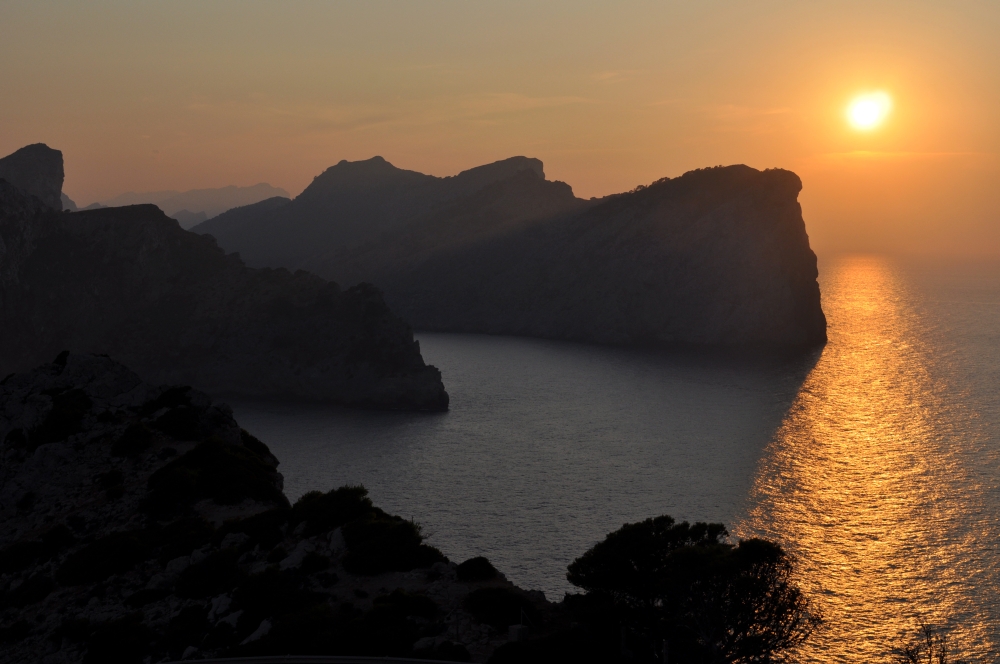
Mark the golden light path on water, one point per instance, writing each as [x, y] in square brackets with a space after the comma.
[867, 482]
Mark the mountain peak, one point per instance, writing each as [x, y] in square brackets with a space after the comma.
[38, 170]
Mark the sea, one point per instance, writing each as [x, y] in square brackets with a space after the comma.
[875, 460]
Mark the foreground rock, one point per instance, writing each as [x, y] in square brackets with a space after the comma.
[141, 523]
[129, 282]
[716, 256]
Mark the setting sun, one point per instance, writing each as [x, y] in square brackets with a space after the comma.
[868, 111]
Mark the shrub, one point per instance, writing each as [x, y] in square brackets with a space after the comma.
[314, 562]
[181, 423]
[76, 630]
[15, 632]
[135, 439]
[19, 556]
[114, 553]
[271, 594]
[500, 607]
[383, 543]
[407, 604]
[711, 599]
[580, 645]
[65, 419]
[323, 512]
[113, 483]
[265, 529]
[188, 628]
[124, 641]
[314, 629]
[446, 651]
[253, 444]
[145, 596]
[169, 398]
[225, 473]
[476, 569]
[183, 536]
[215, 574]
[34, 590]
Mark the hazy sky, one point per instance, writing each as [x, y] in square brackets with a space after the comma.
[179, 95]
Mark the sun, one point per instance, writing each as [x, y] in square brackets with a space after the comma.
[867, 111]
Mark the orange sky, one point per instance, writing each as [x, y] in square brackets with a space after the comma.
[180, 95]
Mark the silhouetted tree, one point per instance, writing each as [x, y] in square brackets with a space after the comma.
[928, 646]
[714, 601]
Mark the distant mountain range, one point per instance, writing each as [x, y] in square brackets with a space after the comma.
[715, 256]
[192, 207]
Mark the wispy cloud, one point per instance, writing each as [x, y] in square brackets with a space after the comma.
[615, 75]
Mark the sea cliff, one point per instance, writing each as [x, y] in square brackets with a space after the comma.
[717, 256]
[129, 282]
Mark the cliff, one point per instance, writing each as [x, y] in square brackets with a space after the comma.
[141, 523]
[38, 170]
[130, 283]
[716, 256]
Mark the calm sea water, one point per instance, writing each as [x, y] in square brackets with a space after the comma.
[876, 460]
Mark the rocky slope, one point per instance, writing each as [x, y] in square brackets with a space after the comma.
[716, 256]
[141, 523]
[38, 170]
[129, 282]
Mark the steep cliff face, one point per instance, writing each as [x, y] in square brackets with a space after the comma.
[38, 170]
[716, 256]
[128, 282]
[141, 523]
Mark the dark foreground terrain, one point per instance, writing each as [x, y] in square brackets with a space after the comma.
[130, 282]
[141, 523]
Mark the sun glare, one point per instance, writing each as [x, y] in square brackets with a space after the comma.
[869, 110]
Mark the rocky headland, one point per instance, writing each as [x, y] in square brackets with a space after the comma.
[130, 282]
[718, 256]
[142, 524]
[36, 169]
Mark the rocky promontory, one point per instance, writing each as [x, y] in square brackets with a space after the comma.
[142, 524]
[131, 283]
[36, 169]
[717, 256]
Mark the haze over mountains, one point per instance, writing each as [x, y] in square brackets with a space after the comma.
[716, 256]
[192, 207]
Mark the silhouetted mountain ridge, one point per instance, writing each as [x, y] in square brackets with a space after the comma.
[715, 256]
[347, 206]
[130, 283]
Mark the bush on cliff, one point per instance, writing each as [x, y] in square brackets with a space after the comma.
[227, 474]
[711, 600]
[476, 569]
[384, 543]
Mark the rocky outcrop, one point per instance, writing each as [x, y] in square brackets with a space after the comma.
[141, 523]
[716, 256]
[38, 170]
[129, 282]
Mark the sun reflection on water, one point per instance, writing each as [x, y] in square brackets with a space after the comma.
[864, 481]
